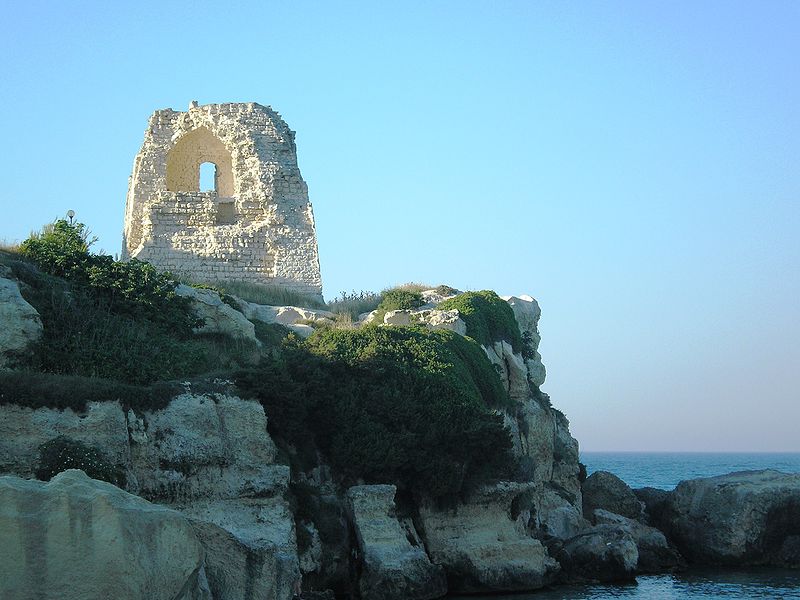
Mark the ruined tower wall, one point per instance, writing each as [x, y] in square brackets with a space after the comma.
[256, 226]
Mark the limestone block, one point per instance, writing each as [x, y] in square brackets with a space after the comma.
[21, 325]
[393, 568]
[218, 316]
[482, 548]
[203, 446]
[75, 538]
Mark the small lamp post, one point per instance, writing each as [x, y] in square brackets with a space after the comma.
[70, 214]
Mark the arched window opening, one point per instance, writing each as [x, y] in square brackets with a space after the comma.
[208, 177]
[192, 154]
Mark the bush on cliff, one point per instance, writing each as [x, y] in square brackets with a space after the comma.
[109, 319]
[488, 317]
[62, 453]
[396, 405]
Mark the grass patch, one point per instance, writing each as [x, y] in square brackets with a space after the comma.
[270, 295]
[46, 390]
[488, 317]
[354, 304]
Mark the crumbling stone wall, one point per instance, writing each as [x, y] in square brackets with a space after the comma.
[257, 223]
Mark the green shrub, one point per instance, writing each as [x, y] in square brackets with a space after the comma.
[37, 390]
[271, 334]
[387, 405]
[488, 317]
[62, 453]
[114, 320]
[401, 299]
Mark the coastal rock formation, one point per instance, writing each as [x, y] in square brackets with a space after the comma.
[75, 538]
[603, 553]
[484, 546]
[21, 324]
[606, 491]
[744, 518]
[394, 563]
[208, 456]
[218, 316]
[655, 553]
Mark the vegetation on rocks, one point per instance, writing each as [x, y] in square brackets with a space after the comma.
[399, 405]
[62, 453]
[402, 405]
[109, 319]
[489, 318]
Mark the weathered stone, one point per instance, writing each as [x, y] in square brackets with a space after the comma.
[437, 296]
[397, 317]
[607, 491]
[257, 223]
[512, 369]
[444, 319]
[483, 548]
[75, 538]
[744, 518]
[21, 325]
[552, 516]
[206, 446]
[218, 316]
[655, 554]
[250, 547]
[392, 567]
[283, 315]
[23, 430]
[603, 553]
[655, 501]
[527, 313]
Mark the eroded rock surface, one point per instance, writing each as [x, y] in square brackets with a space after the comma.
[603, 553]
[607, 491]
[75, 538]
[744, 518]
[393, 568]
[218, 316]
[483, 548]
[655, 553]
[21, 325]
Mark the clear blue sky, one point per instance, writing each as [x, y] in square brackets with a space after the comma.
[633, 165]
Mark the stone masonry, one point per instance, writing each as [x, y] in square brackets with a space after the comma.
[256, 225]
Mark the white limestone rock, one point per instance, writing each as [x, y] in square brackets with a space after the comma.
[283, 315]
[218, 316]
[75, 538]
[436, 296]
[250, 546]
[21, 325]
[443, 319]
[484, 549]
[527, 313]
[202, 446]
[393, 568]
[397, 317]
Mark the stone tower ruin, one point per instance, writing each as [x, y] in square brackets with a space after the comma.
[254, 223]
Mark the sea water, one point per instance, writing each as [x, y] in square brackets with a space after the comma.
[665, 470]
